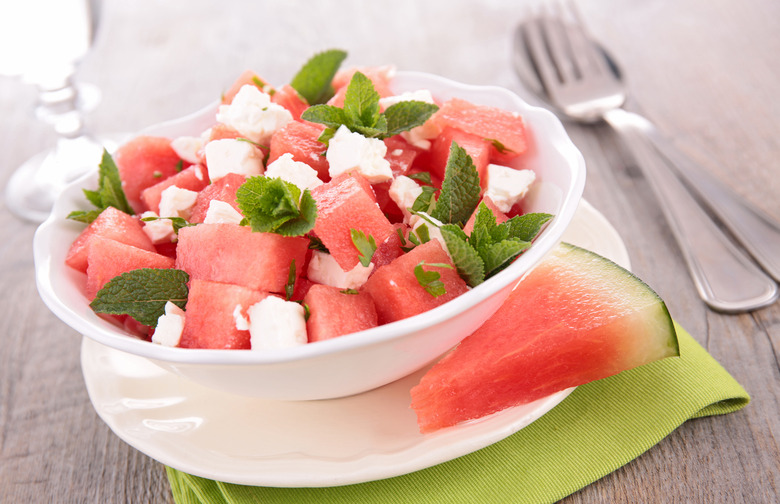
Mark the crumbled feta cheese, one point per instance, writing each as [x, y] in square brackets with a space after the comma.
[220, 212]
[158, 230]
[169, 326]
[188, 148]
[324, 269]
[349, 151]
[404, 191]
[506, 186]
[276, 323]
[177, 202]
[419, 136]
[432, 225]
[242, 324]
[253, 114]
[229, 155]
[295, 172]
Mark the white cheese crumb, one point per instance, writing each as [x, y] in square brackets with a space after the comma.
[177, 202]
[295, 172]
[158, 230]
[349, 151]
[324, 269]
[506, 186]
[229, 155]
[275, 323]
[253, 114]
[169, 326]
[188, 147]
[404, 191]
[220, 212]
[242, 324]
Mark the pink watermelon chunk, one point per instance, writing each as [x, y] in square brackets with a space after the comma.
[194, 178]
[500, 216]
[235, 254]
[348, 202]
[299, 138]
[143, 162]
[109, 258]
[223, 189]
[396, 292]
[288, 97]
[577, 317]
[113, 224]
[332, 312]
[476, 147]
[489, 123]
[210, 321]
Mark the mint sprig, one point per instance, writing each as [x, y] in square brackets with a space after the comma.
[109, 192]
[289, 287]
[272, 205]
[361, 112]
[313, 80]
[460, 189]
[142, 294]
[365, 244]
[431, 280]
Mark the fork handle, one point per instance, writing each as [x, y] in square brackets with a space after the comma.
[725, 277]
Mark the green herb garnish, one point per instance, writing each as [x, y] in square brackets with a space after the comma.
[424, 177]
[460, 190]
[178, 222]
[365, 244]
[272, 205]
[109, 192]
[361, 112]
[430, 280]
[289, 287]
[313, 80]
[142, 294]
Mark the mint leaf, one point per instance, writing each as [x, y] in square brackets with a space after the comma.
[142, 294]
[424, 177]
[361, 102]
[527, 226]
[330, 116]
[178, 222]
[366, 246]
[109, 192]
[430, 280]
[460, 190]
[352, 292]
[316, 244]
[501, 148]
[468, 263]
[405, 115]
[272, 205]
[289, 287]
[425, 201]
[313, 80]
[498, 256]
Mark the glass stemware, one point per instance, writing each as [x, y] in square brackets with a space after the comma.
[44, 40]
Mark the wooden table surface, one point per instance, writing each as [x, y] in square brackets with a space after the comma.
[707, 73]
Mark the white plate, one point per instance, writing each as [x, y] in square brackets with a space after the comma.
[332, 442]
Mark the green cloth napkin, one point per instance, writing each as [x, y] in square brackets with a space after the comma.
[600, 427]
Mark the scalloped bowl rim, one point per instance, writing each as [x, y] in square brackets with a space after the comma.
[113, 336]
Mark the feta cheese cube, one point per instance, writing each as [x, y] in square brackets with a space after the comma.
[188, 148]
[253, 114]
[229, 155]
[295, 172]
[275, 323]
[506, 186]
[349, 151]
[169, 326]
[220, 212]
[177, 202]
[325, 270]
[159, 230]
[404, 191]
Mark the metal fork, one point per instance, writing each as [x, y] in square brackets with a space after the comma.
[578, 79]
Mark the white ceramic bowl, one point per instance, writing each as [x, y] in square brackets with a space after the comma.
[352, 363]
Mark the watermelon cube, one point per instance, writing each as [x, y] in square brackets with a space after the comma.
[490, 123]
[348, 202]
[476, 147]
[108, 258]
[289, 98]
[113, 224]
[194, 178]
[223, 189]
[299, 138]
[396, 291]
[143, 162]
[333, 312]
[210, 320]
[500, 216]
[235, 254]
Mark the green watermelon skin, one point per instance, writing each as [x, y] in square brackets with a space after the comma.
[577, 317]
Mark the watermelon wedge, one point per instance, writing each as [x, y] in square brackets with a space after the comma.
[575, 318]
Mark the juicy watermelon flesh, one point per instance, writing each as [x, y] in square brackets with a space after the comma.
[575, 318]
[223, 189]
[143, 162]
[109, 258]
[333, 312]
[194, 178]
[300, 139]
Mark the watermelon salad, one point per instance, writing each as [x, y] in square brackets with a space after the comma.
[308, 211]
